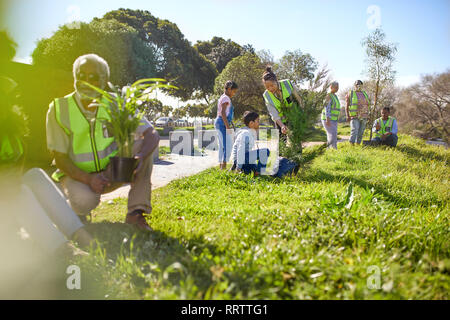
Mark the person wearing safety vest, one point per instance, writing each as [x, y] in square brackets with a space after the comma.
[330, 115]
[357, 111]
[385, 129]
[82, 146]
[30, 200]
[278, 94]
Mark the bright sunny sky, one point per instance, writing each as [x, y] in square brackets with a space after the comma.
[331, 31]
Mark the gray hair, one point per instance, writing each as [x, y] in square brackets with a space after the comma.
[103, 65]
[334, 84]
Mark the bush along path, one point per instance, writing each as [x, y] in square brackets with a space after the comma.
[355, 223]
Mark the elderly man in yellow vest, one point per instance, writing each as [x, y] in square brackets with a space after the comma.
[357, 111]
[81, 117]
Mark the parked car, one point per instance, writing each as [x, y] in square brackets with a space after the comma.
[164, 122]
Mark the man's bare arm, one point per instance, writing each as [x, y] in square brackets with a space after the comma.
[96, 181]
[66, 165]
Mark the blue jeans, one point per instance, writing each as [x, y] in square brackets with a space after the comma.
[285, 167]
[261, 155]
[225, 141]
[357, 127]
[389, 141]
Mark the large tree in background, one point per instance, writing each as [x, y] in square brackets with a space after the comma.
[176, 60]
[179, 112]
[246, 71]
[196, 110]
[266, 57]
[220, 51]
[152, 108]
[380, 58]
[128, 56]
[296, 66]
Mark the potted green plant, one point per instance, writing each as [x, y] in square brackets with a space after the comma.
[125, 110]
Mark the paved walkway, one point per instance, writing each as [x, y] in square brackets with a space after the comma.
[171, 167]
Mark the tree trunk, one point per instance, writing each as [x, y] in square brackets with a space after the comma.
[374, 108]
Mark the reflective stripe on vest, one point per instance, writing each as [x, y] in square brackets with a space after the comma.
[90, 147]
[385, 127]
[11, 149]
[286, 92]
[335, 108]
[353, 108]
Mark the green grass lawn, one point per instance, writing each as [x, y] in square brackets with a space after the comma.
[320, 235]
[318, 133]
[163, 151]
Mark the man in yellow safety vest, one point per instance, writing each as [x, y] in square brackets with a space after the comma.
[82, 147]
[385, 129]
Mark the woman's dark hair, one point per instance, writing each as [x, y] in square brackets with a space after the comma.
[269, 75]
[388, 109]
[249, 116]
[231, 85]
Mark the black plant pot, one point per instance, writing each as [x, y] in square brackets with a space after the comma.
[122, 169]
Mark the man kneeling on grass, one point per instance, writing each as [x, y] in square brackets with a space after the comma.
[82, 146]
[385, 129]
[249, 159]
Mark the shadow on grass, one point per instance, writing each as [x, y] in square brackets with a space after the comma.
[316, 134]
[321, 176]
[122, 241]
[419, 154]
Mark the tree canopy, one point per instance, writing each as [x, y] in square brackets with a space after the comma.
[175, 59]
[251, 89]
[220, 51]
[295, 66]
[424, 107]
[128, 56]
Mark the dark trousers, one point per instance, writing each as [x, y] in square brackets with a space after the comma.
[262, 155]
[390, 141]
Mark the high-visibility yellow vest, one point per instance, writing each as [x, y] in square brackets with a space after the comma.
[385, 127]
[287, 97]
[335, 108]
[90, 145]
[353, 108]
[11, 149]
